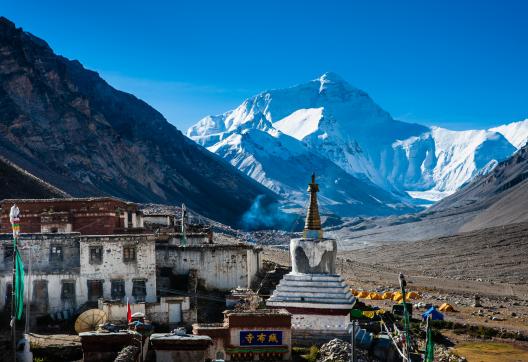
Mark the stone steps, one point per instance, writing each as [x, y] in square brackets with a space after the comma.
[306, 284]
[296, 294]
[312, 289]
[314, 277]
[286, 299]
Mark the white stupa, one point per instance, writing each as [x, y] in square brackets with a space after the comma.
[317, 297]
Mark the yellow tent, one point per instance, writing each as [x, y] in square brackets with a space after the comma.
[412, 295]
[397, 297]
[363, 294]
[446, 307]
[354, 292]
[387, 295]
[374, 296]
[373, 313]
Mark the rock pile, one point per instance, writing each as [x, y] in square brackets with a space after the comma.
[339, 351]
[442, 353]
[127, 354]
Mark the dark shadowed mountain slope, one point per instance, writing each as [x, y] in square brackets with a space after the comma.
[66, 125]
[17, 183]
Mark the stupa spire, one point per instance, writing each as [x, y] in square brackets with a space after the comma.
[312, 225]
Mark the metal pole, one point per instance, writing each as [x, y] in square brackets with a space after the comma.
[406, 322]
[13, 317]
[353, 342]
[28, 295]
[14, 219]
[427, 336]
[183, 222]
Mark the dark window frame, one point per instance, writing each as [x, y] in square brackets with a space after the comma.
[139, 289]
[56, 254]
[117, 289]
[68, 294]
[92, 252]
[8, 252]
[129, 254]
[89, 284]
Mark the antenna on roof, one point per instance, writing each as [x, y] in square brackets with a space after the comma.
[183, 224]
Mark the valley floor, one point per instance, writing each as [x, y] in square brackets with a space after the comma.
[489, 263]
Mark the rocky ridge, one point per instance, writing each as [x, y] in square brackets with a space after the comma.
[66, 125]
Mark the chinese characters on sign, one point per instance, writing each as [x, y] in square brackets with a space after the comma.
[260, 338]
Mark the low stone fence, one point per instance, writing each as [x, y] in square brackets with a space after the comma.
[170, 311]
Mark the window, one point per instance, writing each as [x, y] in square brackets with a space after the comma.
[118, 289]
[129, 254]
[8, 253]
[8, 295]
[68, 291]
[95, 290]
[55, 254]
[139, 290]
[96, 254]
[40, 296]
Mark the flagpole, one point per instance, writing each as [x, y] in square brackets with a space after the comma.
[13, 318]
[14, 214]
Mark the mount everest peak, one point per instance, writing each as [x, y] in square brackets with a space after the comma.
[328, 124]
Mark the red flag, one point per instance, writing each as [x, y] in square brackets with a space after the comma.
[129, 312]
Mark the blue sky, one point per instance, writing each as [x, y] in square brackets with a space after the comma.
[458, 64]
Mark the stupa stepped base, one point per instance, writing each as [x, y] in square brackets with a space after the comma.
[312, 291]
[309, 337]
[319, 328]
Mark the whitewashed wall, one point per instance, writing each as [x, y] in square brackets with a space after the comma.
[54, 281]
[113, 266]
[221, 267]
[155, 312]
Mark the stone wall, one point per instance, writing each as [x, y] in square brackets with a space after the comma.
[310, 328]
[190, 238]
[49, 273]
[165, 220]
[219, 266]
[41, 244]
[48, 300]
[114, 267]
[89, 216]
[156, 312]
[181, 355]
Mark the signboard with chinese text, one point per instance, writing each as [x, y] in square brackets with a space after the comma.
[260, 338]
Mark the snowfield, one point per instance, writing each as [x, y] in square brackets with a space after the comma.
[300, 123]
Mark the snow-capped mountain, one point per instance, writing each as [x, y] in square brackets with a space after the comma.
[283, 164]
[327, 121]
[442, 160]
[516, 132]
